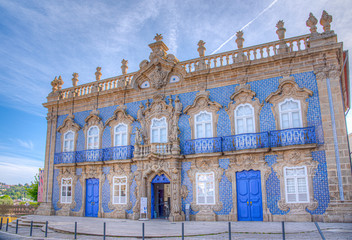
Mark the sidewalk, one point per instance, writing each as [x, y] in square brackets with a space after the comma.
[93, 228]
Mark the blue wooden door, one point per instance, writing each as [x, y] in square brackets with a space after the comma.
[92, 197]
[249, 196]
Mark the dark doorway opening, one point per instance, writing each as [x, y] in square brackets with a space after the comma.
[161, 195]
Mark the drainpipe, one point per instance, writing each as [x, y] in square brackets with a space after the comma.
[336, 146]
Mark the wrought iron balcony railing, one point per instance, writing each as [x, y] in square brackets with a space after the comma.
[203, 145]
[245, 141]
[65, 157]
[118, 153]
[94, 155]
[292, 136]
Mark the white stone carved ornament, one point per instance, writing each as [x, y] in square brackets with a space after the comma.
[161, 66]
[296, 158]
[69, 124]
[203, 103]
[288, 88]
[120, 116]
[244, 95]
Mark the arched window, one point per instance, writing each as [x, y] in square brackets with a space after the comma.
[244, 119]
[203, 125]
[290, 114]
[69, 137]
[120, 135]
[93, 138]
[159, 130]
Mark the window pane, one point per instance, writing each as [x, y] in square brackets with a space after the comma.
[208, 132]
[250, 128]
[63, 193]
[200, 133]
[155, 136]
[291, 197]
[303, 197]
[124, 139]
[285, 121]
[163, 135]
[210, 200]
[296, 120]
[239, 126]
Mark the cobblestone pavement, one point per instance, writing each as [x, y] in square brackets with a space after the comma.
[63, 228]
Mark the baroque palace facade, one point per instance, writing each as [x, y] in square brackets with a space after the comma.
[253, 134]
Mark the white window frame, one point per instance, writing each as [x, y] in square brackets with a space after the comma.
[206, 194]
[65, 198]
[290, 113]
[296, 184]
[88, 137]
[203, 125]
[159, 130]
[119, 184]
[244, 118]
[69, 142]
[119, 134]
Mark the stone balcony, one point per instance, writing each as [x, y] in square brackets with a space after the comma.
[156, 150]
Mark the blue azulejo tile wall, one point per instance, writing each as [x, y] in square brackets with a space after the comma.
[56, 190]
[185, 181]
[273, 193]
[78, 191]
[225, 189]
[133, 197]
[106, 192]
[320, 183]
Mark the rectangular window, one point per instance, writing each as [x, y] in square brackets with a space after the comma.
[120, 190]
[205, 188]
[66, 190]
[296, 183]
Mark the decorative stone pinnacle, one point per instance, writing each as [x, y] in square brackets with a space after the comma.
[239, 39]
[98, 74]
[75, 79]
[325, 21]
[158, 37]
[60, 83]
[124, 66]
[280, 29]
[54, 84]
[312, 22]
[201, 49]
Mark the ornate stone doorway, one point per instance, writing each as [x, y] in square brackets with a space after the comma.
[160, 197]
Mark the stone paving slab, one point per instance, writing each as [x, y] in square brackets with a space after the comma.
[164, 228]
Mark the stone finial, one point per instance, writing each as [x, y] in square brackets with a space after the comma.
[239, 39]
[280, 29]
[312, 23]
[201, 49]
[54, 84]
[158, 37]
[325, 21]
[98, 74]
[124, 66]
[59, 83]
[75, 79]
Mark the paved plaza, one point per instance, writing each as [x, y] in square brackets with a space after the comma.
[93, 228]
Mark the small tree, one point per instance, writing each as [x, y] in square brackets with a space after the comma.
[32, 190]
[6, 200]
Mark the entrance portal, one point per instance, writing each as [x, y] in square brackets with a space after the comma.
[160, 199]
[92, 197]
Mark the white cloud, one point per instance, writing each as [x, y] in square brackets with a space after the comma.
[26, 144]
[17, 169]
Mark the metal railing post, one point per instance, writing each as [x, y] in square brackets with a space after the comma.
[16, 226]
[7, 224]
[229, 230]
[46, 229]
[30, 231]
[143, 231]
[319, 230]
[104, 230]
[183, 231]
[75, 230]
[1, 224]
[283, 230]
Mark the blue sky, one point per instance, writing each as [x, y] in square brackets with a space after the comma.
[42, 39]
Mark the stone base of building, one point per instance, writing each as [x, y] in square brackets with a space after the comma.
[338, 211]
[45, 209]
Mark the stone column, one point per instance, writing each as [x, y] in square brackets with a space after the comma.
[176, 213]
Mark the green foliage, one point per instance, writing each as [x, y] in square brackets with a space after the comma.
[32, 190]
[15, 191]
[6, 200]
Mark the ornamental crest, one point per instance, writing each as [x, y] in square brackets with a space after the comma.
[158, 77]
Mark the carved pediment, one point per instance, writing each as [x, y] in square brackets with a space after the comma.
[120, 116]
[288, 88]
[93, 119]
[158, 70]
[69, 124]
[202, 102]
